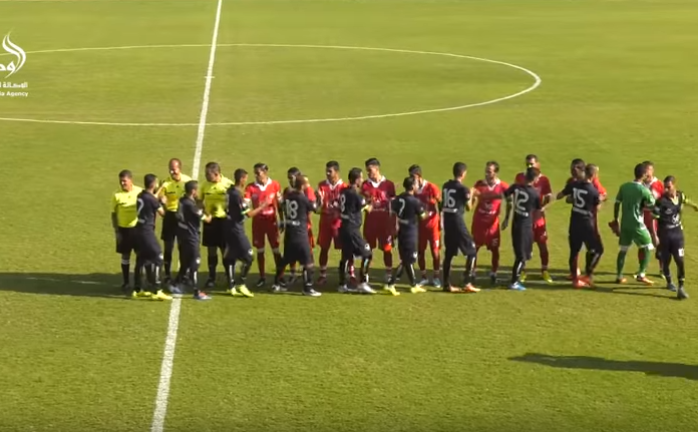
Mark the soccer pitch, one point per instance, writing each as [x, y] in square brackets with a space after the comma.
[125, 84]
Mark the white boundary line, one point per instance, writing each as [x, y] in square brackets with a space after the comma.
[162, 398]
[536, 83]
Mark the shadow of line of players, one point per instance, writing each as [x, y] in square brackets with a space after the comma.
[421, 211]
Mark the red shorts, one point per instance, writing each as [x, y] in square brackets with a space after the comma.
[540, 234]
[329, 233]
[265, 228]
[429, 235]
[378, 232]
[487, 235]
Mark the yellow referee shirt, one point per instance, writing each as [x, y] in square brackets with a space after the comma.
[214, 196]
[173, 190]
[123, 204]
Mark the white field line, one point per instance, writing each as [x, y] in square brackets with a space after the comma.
[162, 398]
[536, 83]
[81, 282]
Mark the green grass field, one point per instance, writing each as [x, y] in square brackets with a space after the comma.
[618, 87]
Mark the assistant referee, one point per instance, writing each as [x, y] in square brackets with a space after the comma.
[169, 193]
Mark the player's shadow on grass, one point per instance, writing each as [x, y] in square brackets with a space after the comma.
[86, 285]
[673, 370]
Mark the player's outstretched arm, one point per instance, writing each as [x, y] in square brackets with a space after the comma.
[505, 224]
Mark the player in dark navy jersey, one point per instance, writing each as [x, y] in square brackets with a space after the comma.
[409, 211]
[523, 200]
[456, 199]
[352, 205]
[296, 207]
[667, 210]
[189, 217]
[148, 251]
[585, 200]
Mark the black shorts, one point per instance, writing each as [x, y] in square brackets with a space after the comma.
[671, 243]
[146, 245]
[297, 248]
[189, 256]
[407, 247]
[584, 235]
[238, 247]
[169, 226]
[354, 245]
[214, 233]
[522, 242]
[125, 241]
[458, 239]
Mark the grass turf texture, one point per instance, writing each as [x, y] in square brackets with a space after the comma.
[617, 89]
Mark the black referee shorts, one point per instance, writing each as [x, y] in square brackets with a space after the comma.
[671, 243]
[125, 242]
[214, 233]
[169, 227]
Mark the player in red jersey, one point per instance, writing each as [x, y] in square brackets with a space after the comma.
[430, 227]
[485, 229]
[656, 187]
[379, 226]
[264, 224]
[329, 191]
[540, 232]
[292, 174]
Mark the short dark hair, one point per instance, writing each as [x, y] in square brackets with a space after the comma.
[640, 170]
[148, 180]
[332, 164]
[261, 166]
[493, 163]
[669, 179]
[415, 170]
[579, 166]
[408, 183]
[648, 163]
[577, 162]
[298, 182]
[459, 168]
[354, 174]
[191, 186]
[294, 171]
[372, 161]
[238, 175]
[531, 174]
[125, 174]
[213, 168]
[530, 157]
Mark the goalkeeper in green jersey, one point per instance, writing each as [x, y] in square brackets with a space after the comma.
[633, 197]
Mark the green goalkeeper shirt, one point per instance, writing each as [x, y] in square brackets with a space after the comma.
[633, 197]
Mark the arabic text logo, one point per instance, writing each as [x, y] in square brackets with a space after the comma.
[13, 49]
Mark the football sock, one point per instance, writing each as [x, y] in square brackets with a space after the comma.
[324, 258]
[230, 272]
[519, 265]
[167, 256]
[422, 263]
[388, 261]
[212, 259]
[409, 268]
[365, 265]
[194, 275]
[666, 268]
[343, 264]
[544, 256]
[245, 270]
[573, 265]
[641, 255]
[150, 273]
[620, 263]
[593, 259]
[138, 274]
[278, 274]
[125, 267]
[260, 264]
[680, 267]
[447, 269]
[644, 263]
[469, 261]
[278, 261]
[436, 261]
[308, 277]
[495, 260]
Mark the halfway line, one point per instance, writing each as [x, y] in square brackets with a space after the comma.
[163, 394]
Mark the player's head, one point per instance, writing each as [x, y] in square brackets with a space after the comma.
[292, 173]
[649, 165]
[306, 181]
[373, 168]
[240, 177]
[213, 172]
[640, 172]
[261, 172]
[175, 168]
[191, 189]
[592, 171]
[415, 171]
[460, 170]
[532, 174]
[150, 182]
[532, 161]
[299, 183]
[670, 185]
[578, 169]
[409, 184]
[356, 177]
[332, 171]
[126, 180]
[491, 171]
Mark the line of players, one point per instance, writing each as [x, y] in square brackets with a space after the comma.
[418, 216]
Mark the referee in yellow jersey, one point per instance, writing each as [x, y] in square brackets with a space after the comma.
[170, 192]
[214, 197]
[124, 217]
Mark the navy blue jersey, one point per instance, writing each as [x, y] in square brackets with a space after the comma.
[585, 200]
[147, 206]
[409, 210]
[455, 198]
[296, 207]
[188, 219]
[236, 210]
[525, 200]
[351, 207]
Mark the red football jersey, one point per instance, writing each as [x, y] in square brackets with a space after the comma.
[429, 194]
[655, 186]
[379, 195]
[542, 185]
[488, 208]
[330, 198]
[259, 193]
